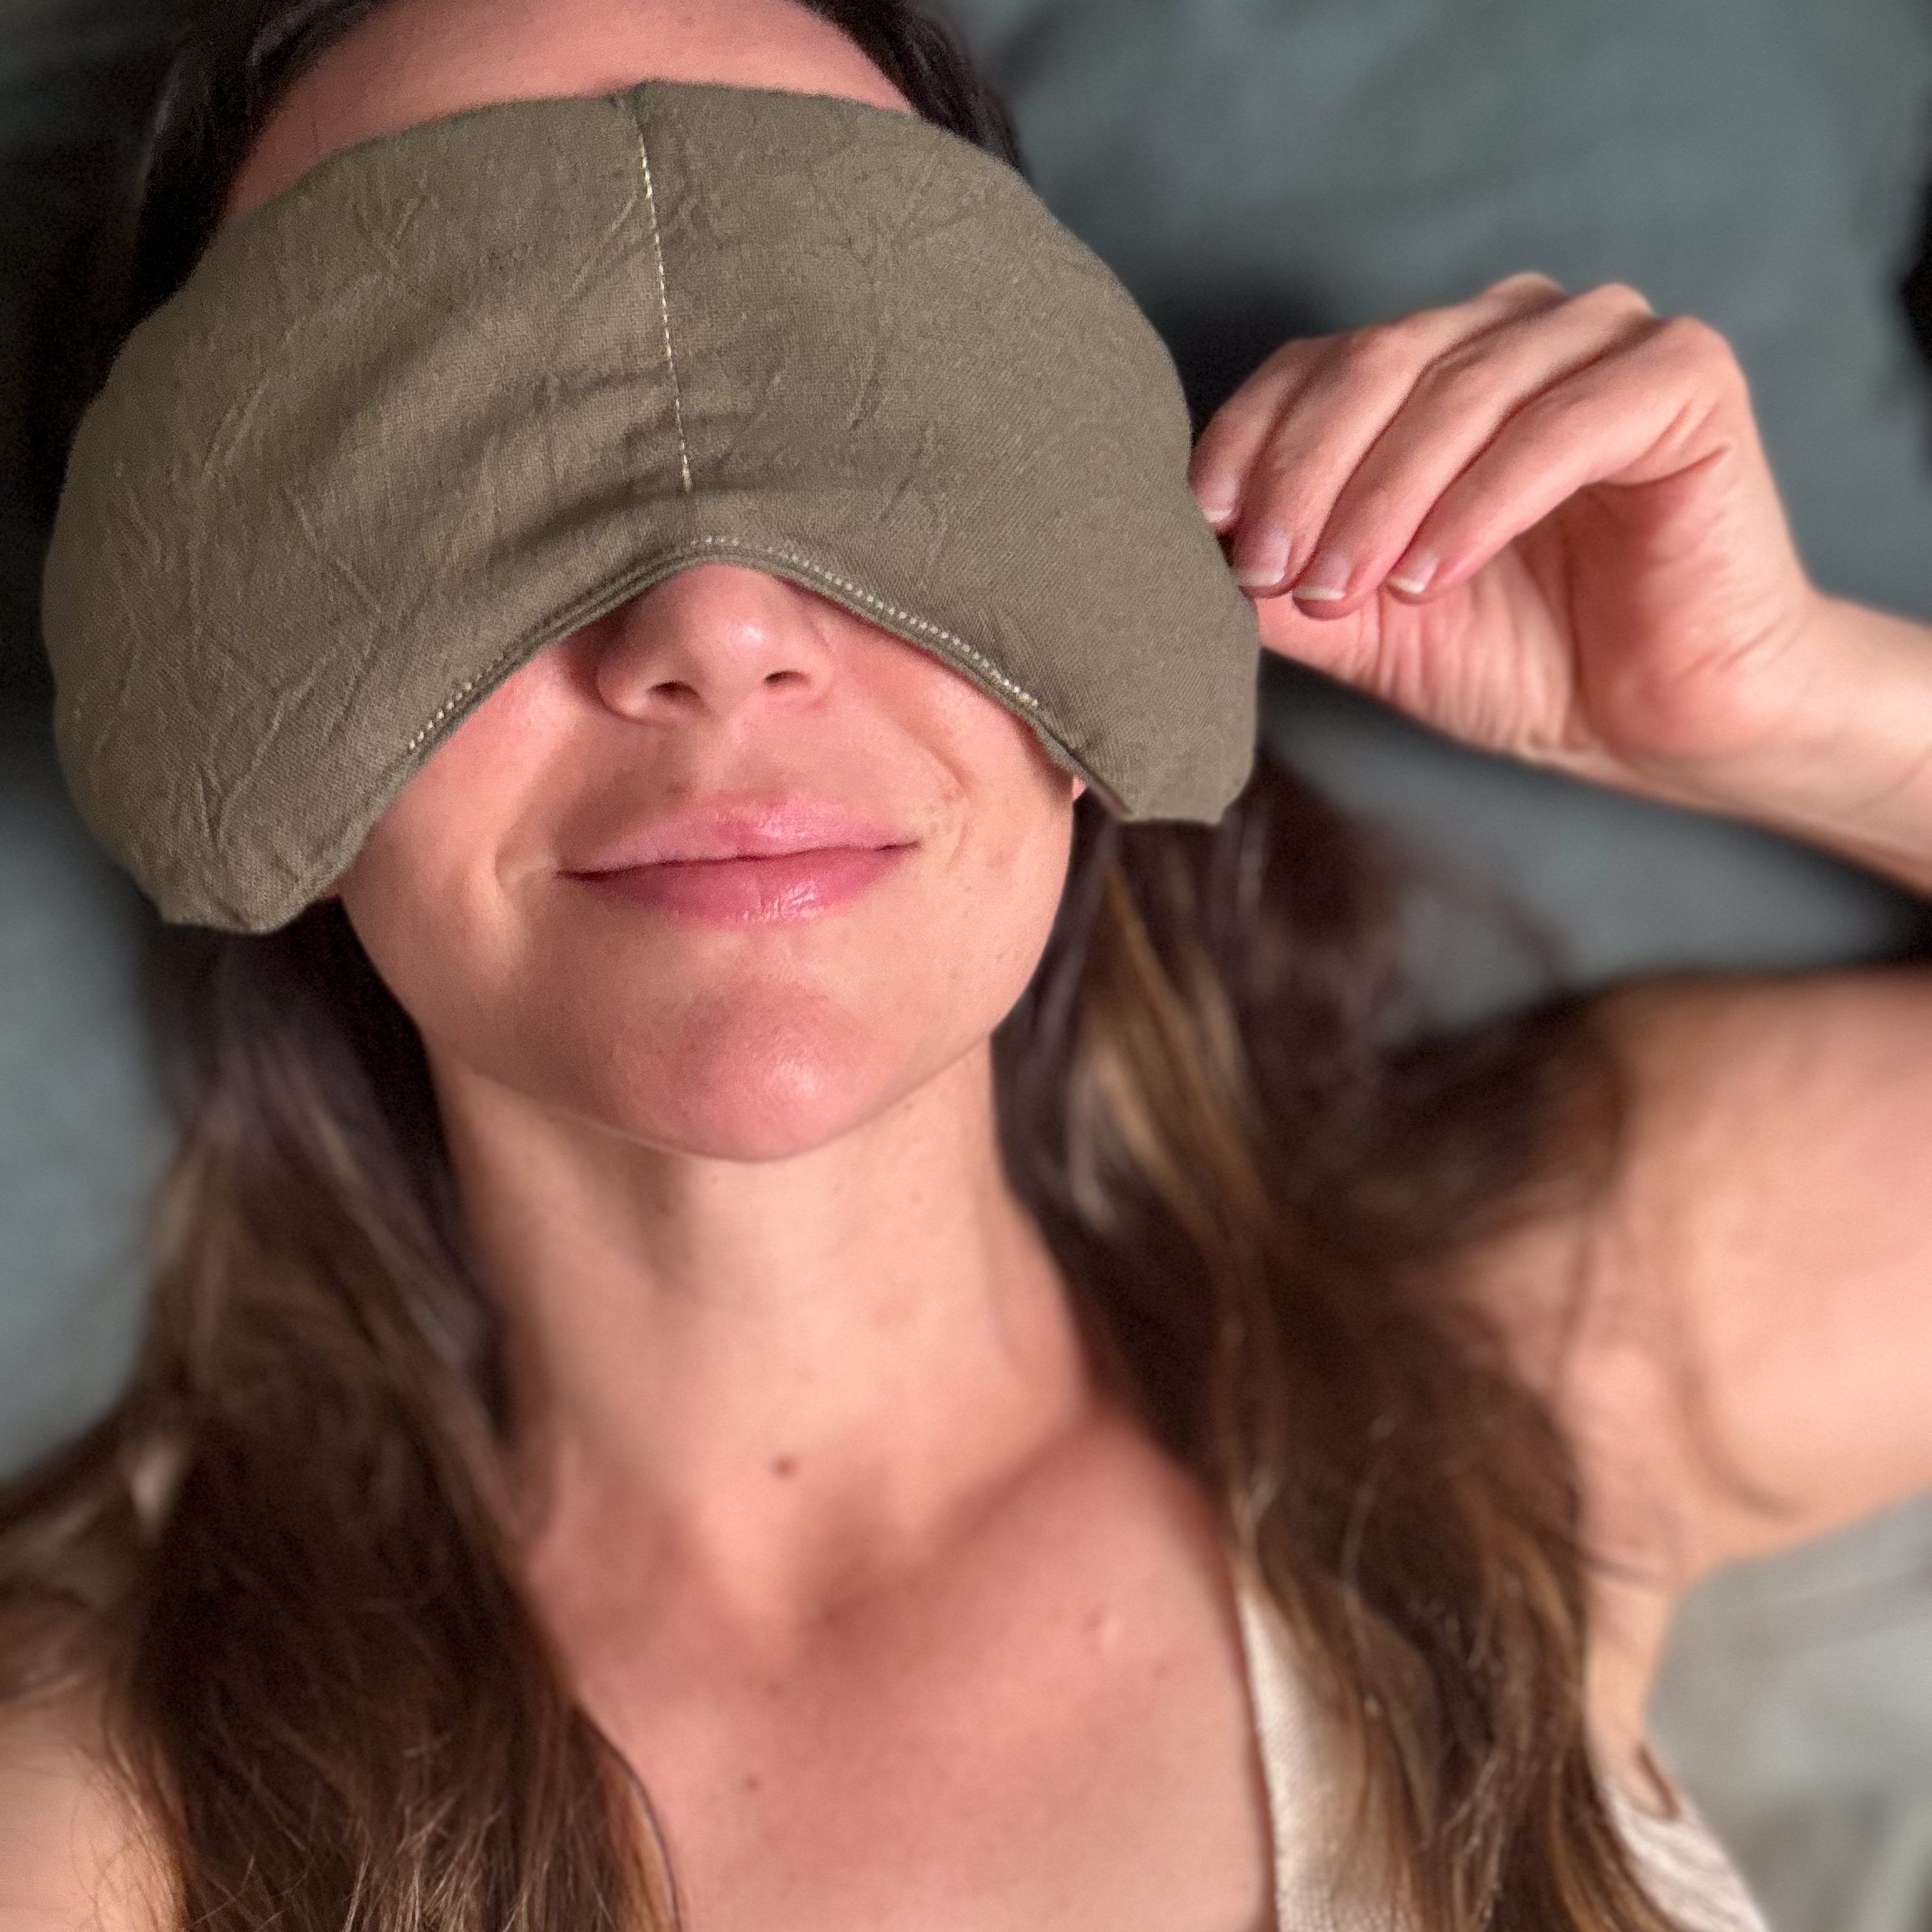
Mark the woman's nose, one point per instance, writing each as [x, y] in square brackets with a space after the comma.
[705, 640]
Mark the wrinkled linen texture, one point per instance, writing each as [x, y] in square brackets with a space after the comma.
[462, 389]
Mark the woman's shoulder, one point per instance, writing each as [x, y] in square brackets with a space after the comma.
[73, 1854]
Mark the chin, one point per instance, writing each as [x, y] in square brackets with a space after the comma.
[734, 1081]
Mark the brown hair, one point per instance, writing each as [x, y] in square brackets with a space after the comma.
[278, 1558]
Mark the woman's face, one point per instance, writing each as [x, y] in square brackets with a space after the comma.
[550, 897]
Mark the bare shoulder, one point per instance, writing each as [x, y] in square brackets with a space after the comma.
[73, 1857]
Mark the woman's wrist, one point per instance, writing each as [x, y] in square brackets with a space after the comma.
[1850, 766]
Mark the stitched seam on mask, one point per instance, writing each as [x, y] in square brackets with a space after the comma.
[858, 592]
[448, 705]
[664, 309]
[977, 658]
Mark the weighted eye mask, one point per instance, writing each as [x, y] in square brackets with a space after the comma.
[462, 390]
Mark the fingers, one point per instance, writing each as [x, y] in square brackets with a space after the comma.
[1241, 428]
[1454, 409]
[1664, 401]
[1291, 434]
[1407, 455]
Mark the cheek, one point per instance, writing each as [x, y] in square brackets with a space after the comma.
[968, 956]
[983, 942]
[423, 894]
[433, 929]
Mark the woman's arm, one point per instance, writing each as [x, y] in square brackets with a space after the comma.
[1736, 1340]
[1545, 525]
[1738, 1336]
[1853, 773]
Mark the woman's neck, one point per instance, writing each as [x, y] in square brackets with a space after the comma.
[771, 1384]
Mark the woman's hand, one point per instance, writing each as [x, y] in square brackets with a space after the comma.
[1542, 523]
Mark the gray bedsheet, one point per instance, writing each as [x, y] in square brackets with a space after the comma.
[1254, 168]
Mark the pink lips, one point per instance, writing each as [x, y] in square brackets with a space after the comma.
[748, 863]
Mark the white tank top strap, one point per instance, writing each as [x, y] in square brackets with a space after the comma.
[1689, 1872]
[1318, 1889]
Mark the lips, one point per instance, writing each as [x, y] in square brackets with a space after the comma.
[743, 829]
[747, 862]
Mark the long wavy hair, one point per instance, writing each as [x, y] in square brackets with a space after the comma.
[277, 1561]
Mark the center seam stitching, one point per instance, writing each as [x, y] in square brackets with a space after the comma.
[664, 308]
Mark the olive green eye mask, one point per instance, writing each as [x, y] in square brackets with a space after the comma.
[461, 390]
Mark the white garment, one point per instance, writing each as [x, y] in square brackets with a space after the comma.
[1688, 1872]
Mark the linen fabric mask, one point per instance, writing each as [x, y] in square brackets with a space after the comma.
[462, 389]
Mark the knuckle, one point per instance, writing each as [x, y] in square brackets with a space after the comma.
[1370, 509]
[1235, 423]
[1385, 351]
[1532, 282]
[1245, 413]
[1617, 298]
[1691, 337]
[1462, 378]
[1299, 353]
[1285, 366]
[1219, 448]
[1298, 490]
[1286, 497]
[1706, 351]
[1566, 408]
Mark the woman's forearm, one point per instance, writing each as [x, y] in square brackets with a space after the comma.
[1851, 769]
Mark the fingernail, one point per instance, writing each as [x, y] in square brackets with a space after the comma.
[1218, 498]
[1416, 572]
[1325, 580]
[1263, 561]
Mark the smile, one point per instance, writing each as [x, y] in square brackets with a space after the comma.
[763, 891]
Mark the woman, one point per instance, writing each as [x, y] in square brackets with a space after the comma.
[764, 1402]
